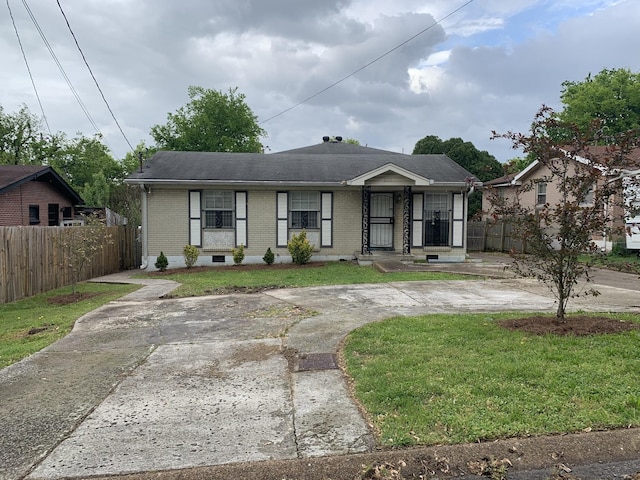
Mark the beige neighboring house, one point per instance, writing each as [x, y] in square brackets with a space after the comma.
[528, 189]
[353, 202]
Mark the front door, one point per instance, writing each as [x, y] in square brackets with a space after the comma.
[381, 221]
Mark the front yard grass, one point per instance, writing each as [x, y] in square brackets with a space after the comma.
[31, 324]
[216, 280]
[443, 379]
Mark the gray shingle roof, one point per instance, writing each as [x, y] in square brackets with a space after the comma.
[324, 164]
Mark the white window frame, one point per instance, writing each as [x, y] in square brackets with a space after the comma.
[222, 201]
[308, 202]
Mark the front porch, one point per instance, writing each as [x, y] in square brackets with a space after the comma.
[428, 255]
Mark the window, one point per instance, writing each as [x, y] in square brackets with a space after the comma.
[587, 199]
[437, 217]
[54, 214]
[34, 214]
[218, 209]
[541, 193]
[305, 209]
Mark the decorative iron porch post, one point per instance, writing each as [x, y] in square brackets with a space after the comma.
[406, 220]
[366, 200]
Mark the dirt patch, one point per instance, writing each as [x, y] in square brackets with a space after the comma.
[576, 325]
[71, 298]
[245, 268]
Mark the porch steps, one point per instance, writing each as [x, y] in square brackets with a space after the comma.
[388, 264]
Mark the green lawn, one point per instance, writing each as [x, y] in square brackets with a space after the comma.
[441, 379]
[29, 325]
[216, 280]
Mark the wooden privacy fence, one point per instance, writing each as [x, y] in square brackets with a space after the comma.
[498, 236]
[32, 260]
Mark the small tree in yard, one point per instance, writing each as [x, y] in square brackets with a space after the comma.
[80, 245]
[556, 236]
[300, 248]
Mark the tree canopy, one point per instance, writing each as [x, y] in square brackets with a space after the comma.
[85, 163]
[212, 121]
[612, 97]
[480, 163]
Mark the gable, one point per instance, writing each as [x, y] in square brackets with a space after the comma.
[390, 175]
[13, 176]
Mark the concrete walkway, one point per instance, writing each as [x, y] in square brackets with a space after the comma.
[143, 384]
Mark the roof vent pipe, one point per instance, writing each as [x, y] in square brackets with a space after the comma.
[325, 139]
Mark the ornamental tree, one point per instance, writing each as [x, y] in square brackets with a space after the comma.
[587, 179]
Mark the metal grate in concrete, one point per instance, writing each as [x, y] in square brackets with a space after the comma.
[317, 361]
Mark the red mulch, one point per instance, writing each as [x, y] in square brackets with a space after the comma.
[578, 325]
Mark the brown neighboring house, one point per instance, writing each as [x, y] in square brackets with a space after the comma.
[35, 195]
[511, 187]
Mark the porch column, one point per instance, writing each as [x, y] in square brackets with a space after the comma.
[366, 200]
[406, 220]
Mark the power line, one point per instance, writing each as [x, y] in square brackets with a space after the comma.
[24, 56]
[64, 74]
[93, 76]
[368, 64]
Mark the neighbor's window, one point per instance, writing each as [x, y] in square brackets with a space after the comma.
[588, 197]
[304, 209]
[34, 214]
[541, 193]
[218, 209]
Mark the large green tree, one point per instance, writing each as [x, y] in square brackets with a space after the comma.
[480, 163]
[612, 97]
[22, 140]
[213, 121]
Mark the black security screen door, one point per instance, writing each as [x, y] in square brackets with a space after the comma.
[381, 221]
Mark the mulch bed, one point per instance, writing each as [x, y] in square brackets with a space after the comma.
[577, 325]
[71, 298]
[249, 267]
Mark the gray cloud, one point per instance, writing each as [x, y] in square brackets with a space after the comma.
[146, 53]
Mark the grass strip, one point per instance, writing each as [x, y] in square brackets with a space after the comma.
[444, 379]
[331, 273]
[31, 324]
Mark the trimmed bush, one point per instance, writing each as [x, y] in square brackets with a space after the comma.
[300, 248]
[238, 254]
[161, 262]
[191, 254]
[269, 257]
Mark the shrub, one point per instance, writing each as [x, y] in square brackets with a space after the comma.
[619, 249]
[238, 254]
[269, 257]
[190, 255]
[162, 263]
[300, 248]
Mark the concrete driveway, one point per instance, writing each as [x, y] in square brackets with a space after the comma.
[144, 384]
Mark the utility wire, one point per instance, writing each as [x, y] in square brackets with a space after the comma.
[93, 76]
[64, 74]
[24, 56]
[368, 64]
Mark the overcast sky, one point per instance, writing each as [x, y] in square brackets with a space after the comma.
[480, 66]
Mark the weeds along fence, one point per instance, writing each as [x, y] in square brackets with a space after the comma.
[32, 260]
